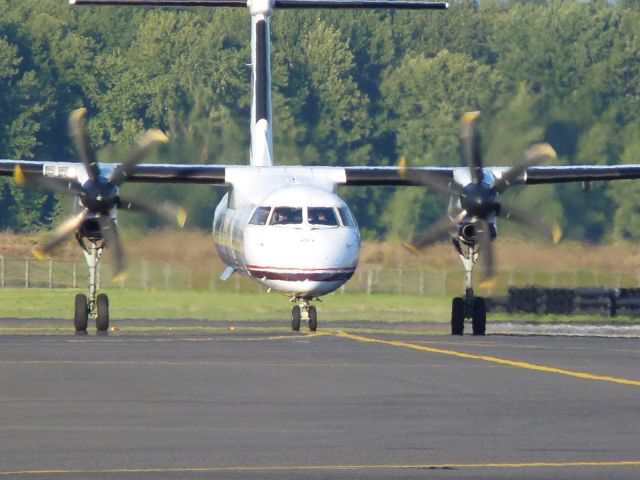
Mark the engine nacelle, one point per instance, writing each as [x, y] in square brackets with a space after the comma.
[467, 232]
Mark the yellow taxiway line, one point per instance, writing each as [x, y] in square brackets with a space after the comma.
[302, 468]
[490, 359]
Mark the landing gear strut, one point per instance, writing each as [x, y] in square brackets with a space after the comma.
[303, 311]
[93, 305]
[469, 306]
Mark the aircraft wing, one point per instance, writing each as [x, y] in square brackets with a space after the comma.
[353, 176]
[146, 173]
[409, 176]
[580, 173]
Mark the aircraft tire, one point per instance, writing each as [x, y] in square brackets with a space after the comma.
[81, 314]
[102, 313]
[295, 318]
[479, 319]
[457, 316]
[313, 319]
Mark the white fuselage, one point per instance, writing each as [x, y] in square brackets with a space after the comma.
[293, 235]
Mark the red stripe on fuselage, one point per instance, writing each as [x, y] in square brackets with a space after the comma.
[294, 269]
[302, 274]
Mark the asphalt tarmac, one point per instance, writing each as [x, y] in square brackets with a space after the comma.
[327, 406]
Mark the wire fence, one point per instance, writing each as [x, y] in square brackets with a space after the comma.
[19, 272]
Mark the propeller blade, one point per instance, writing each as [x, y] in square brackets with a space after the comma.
[483, 233]
[537, 223]
[430, 180]
[166, 211]
[470, 145]
[78, 131]
[52, 185]
[437, 231]
[60, 234]
[532, 156]
[109, 231]
[438, 183]
[146, 144]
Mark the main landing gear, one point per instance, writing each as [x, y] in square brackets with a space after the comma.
[304, 311]
[469, 306]
[95, 305]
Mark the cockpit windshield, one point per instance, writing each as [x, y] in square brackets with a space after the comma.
[260, 216]
[286, 216]
[322, 216]
[345, 216]
[316, 216]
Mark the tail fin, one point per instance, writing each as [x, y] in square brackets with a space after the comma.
[261, 137]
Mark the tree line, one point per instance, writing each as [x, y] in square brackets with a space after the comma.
[349, 88]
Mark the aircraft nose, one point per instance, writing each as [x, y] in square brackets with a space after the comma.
[313, 257]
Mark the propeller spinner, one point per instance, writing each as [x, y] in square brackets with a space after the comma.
[99, 195]
[479, 198]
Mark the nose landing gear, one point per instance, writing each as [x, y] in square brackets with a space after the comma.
[304, 311]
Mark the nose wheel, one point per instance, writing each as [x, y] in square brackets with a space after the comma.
[296, 317]
[304, 311]
[313, 319]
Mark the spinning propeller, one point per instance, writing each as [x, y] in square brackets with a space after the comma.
[98, 195]
[479, 199]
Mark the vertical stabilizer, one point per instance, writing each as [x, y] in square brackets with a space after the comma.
[261, 137]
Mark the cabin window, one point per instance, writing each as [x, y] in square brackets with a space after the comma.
[260, 216]
[286, 216]
[345, 216]
[322, 216]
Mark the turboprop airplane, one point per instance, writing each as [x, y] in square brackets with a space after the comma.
[285, 226]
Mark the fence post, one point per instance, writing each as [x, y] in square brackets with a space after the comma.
[167, 276]
[26, 273]
[2, 271]
[50, 273]
[75, 275]
[369, 281]
[421, 282]
[145, 274]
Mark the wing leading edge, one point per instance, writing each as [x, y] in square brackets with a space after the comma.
[143, 173]
[399, 176]
[353, 176]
